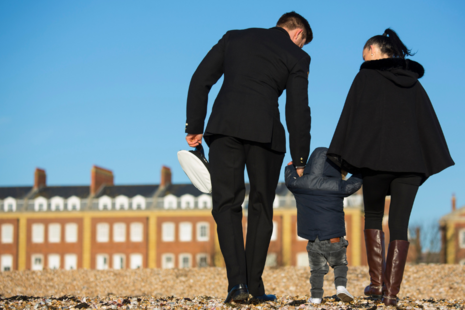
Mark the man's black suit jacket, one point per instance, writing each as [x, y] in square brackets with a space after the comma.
[258, 64]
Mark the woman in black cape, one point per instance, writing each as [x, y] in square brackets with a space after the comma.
[389, 132]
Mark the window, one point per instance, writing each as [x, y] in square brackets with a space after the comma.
[119, 232]
[70, 261]
[74, 203]
[71, 234]
[462, 238]
[167, 232]
[202, 260]
[7, 233]
[6, 262]
[171, 202]
[205, 201]
[121, 203]
[135, 261]
[119, 261]
[40, 204]
[138, 203]
[102, 262]
[302, 259]
[274, 234]
[104, 203]
[203, 231]
[9, 204]
[185, 231]
[136, 232]
[53, 261]
[57, 204]
[37, 262]
[185, 260]
[103, 232]
[271, 260]
[167, 261]
[187, 202]
[462, 262]
[54, 233]
[37, 233]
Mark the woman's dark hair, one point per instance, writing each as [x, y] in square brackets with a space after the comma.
[389, 43]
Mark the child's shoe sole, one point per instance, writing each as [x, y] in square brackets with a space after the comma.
[344, 297]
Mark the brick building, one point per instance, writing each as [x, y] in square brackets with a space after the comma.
[165, 225]
[452, 227]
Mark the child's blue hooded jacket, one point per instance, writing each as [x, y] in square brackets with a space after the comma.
[319, 195]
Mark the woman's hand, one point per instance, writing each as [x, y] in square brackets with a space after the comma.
[300, 171]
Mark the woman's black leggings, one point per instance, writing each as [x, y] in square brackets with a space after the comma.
[402, 187]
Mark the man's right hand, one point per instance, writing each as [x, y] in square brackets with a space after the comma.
[194, 139]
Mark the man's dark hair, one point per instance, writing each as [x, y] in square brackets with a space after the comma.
[292, 20]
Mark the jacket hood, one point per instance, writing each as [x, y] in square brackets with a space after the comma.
[319, 158]
[403, 72]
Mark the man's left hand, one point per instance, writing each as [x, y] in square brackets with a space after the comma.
[194, 139]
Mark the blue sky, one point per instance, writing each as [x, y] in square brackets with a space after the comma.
[105, 82]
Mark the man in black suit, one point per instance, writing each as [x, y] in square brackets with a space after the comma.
[244, 130]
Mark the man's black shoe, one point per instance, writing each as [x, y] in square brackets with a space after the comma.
[238, 293]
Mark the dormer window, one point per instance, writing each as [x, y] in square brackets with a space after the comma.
[9, 204]
[73, 203]
[104, 203]
[40, 204]
[170, 202]
[121, 202]
[57, 204]
[138, 202]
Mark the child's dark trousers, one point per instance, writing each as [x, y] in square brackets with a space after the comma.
[322, 253]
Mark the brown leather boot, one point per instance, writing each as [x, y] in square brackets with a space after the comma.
[395, 264]
[374, 241]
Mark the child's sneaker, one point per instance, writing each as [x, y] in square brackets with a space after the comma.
[344, 294]
[315, 300]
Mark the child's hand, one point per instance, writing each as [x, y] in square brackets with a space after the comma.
[300, 171]
[290, 163]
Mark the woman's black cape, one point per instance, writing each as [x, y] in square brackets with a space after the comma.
[388, 122]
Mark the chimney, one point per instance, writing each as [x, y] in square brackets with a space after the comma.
[454, 206]
[165, 176]
[40, 178]
[98, 178]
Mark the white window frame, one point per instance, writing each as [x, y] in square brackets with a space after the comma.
[181, 257]
[199, 231]
[164, 264]
[51, 229]
[271, 260]
[70, 261]
[274, 234]
[33, 265]
[187, 201]
[276, 202]
[462, 238]
[104, 203]
[204, 201]
[73, 200]
[38, 233]
[138, 200]
[40, 201]
[117, 261]
[6, 260]
[57, 203]
[103, 266]
[199, 256]
[170, 202]
[8, 231]
[100, 232]
[300, 259]
[121, 202]
[117, 228]
[51, 258]
[134, 260]
[462, 262]
[70, 229]
[164, 233]
[184, 227]
[9, 201]
[134, 229]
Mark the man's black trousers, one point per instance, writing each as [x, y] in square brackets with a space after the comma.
[228, 158]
